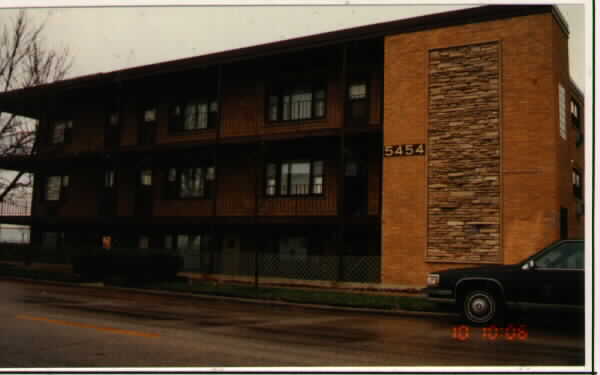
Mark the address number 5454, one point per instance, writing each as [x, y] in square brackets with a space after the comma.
[404, 150]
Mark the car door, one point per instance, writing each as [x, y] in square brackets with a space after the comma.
[557, 277]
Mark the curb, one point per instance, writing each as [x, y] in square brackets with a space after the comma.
[156, 292]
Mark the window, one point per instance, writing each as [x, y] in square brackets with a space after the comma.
[575, 114]
[146, 177]
[357, 91]
[144, 242]
[576, 181]
[358, 105]
[193, 247]
[302, 102]
[150, 115]
[194, 182]
[576, 121]
[113, 119]
[194, 114]
[56, 187]
[568, 255]
[109, 178]
[294, 178]
[60, 132]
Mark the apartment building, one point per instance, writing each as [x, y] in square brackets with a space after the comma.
[374, 154]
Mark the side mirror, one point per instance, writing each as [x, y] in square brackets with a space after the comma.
[529, 265]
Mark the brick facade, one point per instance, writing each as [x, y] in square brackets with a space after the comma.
[478, 87]
[527, 164]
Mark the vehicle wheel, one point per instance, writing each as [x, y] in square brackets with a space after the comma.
[481, 307]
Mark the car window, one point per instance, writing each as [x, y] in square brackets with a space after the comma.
[567, 255]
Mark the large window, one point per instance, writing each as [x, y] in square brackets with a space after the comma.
[190, 182]
[294, 178]
[300, 102]
[194, 114]
[56, 187]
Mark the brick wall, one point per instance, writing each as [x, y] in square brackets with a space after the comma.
[528, 127]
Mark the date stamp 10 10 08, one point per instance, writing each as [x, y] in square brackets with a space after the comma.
[492, 333]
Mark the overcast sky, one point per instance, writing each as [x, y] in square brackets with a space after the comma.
[103, 39]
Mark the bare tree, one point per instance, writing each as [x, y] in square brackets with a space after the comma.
[25, 61]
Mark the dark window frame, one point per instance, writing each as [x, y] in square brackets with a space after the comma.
[67, 121]
[283, 89]
[176, 120]
[172, 188]
[110, 178]
[576, 180]
[278, 179]
[62, 189]
[575, 110]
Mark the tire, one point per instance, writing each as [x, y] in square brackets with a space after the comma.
[482, 307]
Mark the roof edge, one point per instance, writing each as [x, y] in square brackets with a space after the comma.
[430, 21]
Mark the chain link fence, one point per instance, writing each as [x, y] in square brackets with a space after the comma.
[355, 268]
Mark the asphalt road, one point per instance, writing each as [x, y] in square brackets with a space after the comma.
[56, 326]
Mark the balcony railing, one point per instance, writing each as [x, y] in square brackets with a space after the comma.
[15, 209]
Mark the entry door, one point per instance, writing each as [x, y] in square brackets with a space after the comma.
[355, 188]
[144, 194]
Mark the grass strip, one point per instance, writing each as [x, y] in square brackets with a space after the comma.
[304, 296]
[293, 295]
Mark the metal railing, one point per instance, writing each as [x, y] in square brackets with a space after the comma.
[14, 209]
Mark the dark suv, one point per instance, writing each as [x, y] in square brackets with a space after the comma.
[552, 278]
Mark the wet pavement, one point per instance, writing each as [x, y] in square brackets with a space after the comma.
[61, 326]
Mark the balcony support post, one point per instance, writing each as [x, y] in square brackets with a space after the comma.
[342, 165]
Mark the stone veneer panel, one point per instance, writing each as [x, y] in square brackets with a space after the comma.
[464, 154]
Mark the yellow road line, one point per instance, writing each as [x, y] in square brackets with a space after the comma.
[83, 325]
